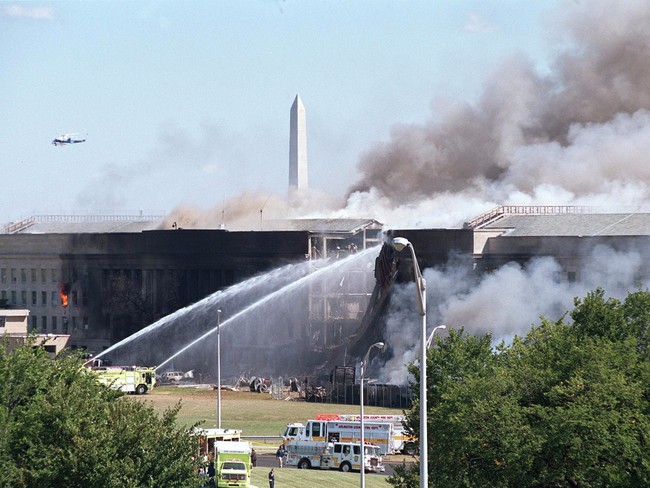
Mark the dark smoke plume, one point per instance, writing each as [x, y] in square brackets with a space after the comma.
[577, 135]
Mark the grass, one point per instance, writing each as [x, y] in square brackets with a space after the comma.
[255, 414]
[299, 478]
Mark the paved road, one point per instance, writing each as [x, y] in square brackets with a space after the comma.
[270, 461]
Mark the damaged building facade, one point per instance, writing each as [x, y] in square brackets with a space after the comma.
[100, 280]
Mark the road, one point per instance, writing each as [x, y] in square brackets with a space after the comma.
[270, 461]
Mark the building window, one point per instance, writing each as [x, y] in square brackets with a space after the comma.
[3, 295]
[44, 298]
[54, 297]
[33, 321]
[33, 274]
[3, 275]
[54, 275]
[43, 275]
[64, 324]
[74, 324]
[85, 322]
[23, 275]
[44, 324]
[54, 322]
[13, 275]
[75, 301]
[34, 298]
[23, 297]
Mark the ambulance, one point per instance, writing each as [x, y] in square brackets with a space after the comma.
[344, 456]
[232, 464]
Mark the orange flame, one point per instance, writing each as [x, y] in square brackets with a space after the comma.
[64, 298]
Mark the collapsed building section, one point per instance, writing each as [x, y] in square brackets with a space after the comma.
[119, 277]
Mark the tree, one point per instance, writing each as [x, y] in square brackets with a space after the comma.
[60, 427]
[565, 405]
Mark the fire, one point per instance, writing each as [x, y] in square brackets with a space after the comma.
[64, 297]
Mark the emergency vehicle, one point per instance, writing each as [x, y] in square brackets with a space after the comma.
[130, 379]
[402, 441]
[208, 438]
[385, 431]
[344, 456]
[232, 463]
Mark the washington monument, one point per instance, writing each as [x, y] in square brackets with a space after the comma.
[298, 147]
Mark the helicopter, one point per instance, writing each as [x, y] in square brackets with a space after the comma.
[65, 139]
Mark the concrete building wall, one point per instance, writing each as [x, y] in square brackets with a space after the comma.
[574, 254]
[117, 283]
[14, 329]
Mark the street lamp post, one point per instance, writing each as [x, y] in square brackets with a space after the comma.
[430, 339]
[362, 370]
[399, 243]
[219, 368]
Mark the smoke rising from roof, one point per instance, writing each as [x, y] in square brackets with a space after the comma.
[576, 134]
[504, 303]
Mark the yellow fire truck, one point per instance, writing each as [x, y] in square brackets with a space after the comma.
[130, 379]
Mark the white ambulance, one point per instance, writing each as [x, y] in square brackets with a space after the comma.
[344, 456]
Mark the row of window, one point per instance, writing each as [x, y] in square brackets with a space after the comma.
[46, 275]
[42, 298]
[46, 324]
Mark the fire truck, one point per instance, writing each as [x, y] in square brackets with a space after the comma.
[402, 441]
[344, 456]
[130, 379]
[384, 431]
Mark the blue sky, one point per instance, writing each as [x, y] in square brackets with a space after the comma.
[188, 102]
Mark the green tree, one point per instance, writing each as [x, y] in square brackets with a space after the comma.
[565, 405]
[60, 427]
[636, 310]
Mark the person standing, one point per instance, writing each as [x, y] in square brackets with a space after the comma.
[280, 455]
[211, 471]
[272, 478]
[254, 458]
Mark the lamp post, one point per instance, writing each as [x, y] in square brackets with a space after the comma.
[219, 368]
[399, 243]
[430, 339]
[362, 370]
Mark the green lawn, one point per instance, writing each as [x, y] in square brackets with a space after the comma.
[252, 413]
[257, 414]
[300, 478]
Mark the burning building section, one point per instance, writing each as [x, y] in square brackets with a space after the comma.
[64, 290]
[559, 157]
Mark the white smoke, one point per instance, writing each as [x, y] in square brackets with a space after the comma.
[504, 303]
[575, 134]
